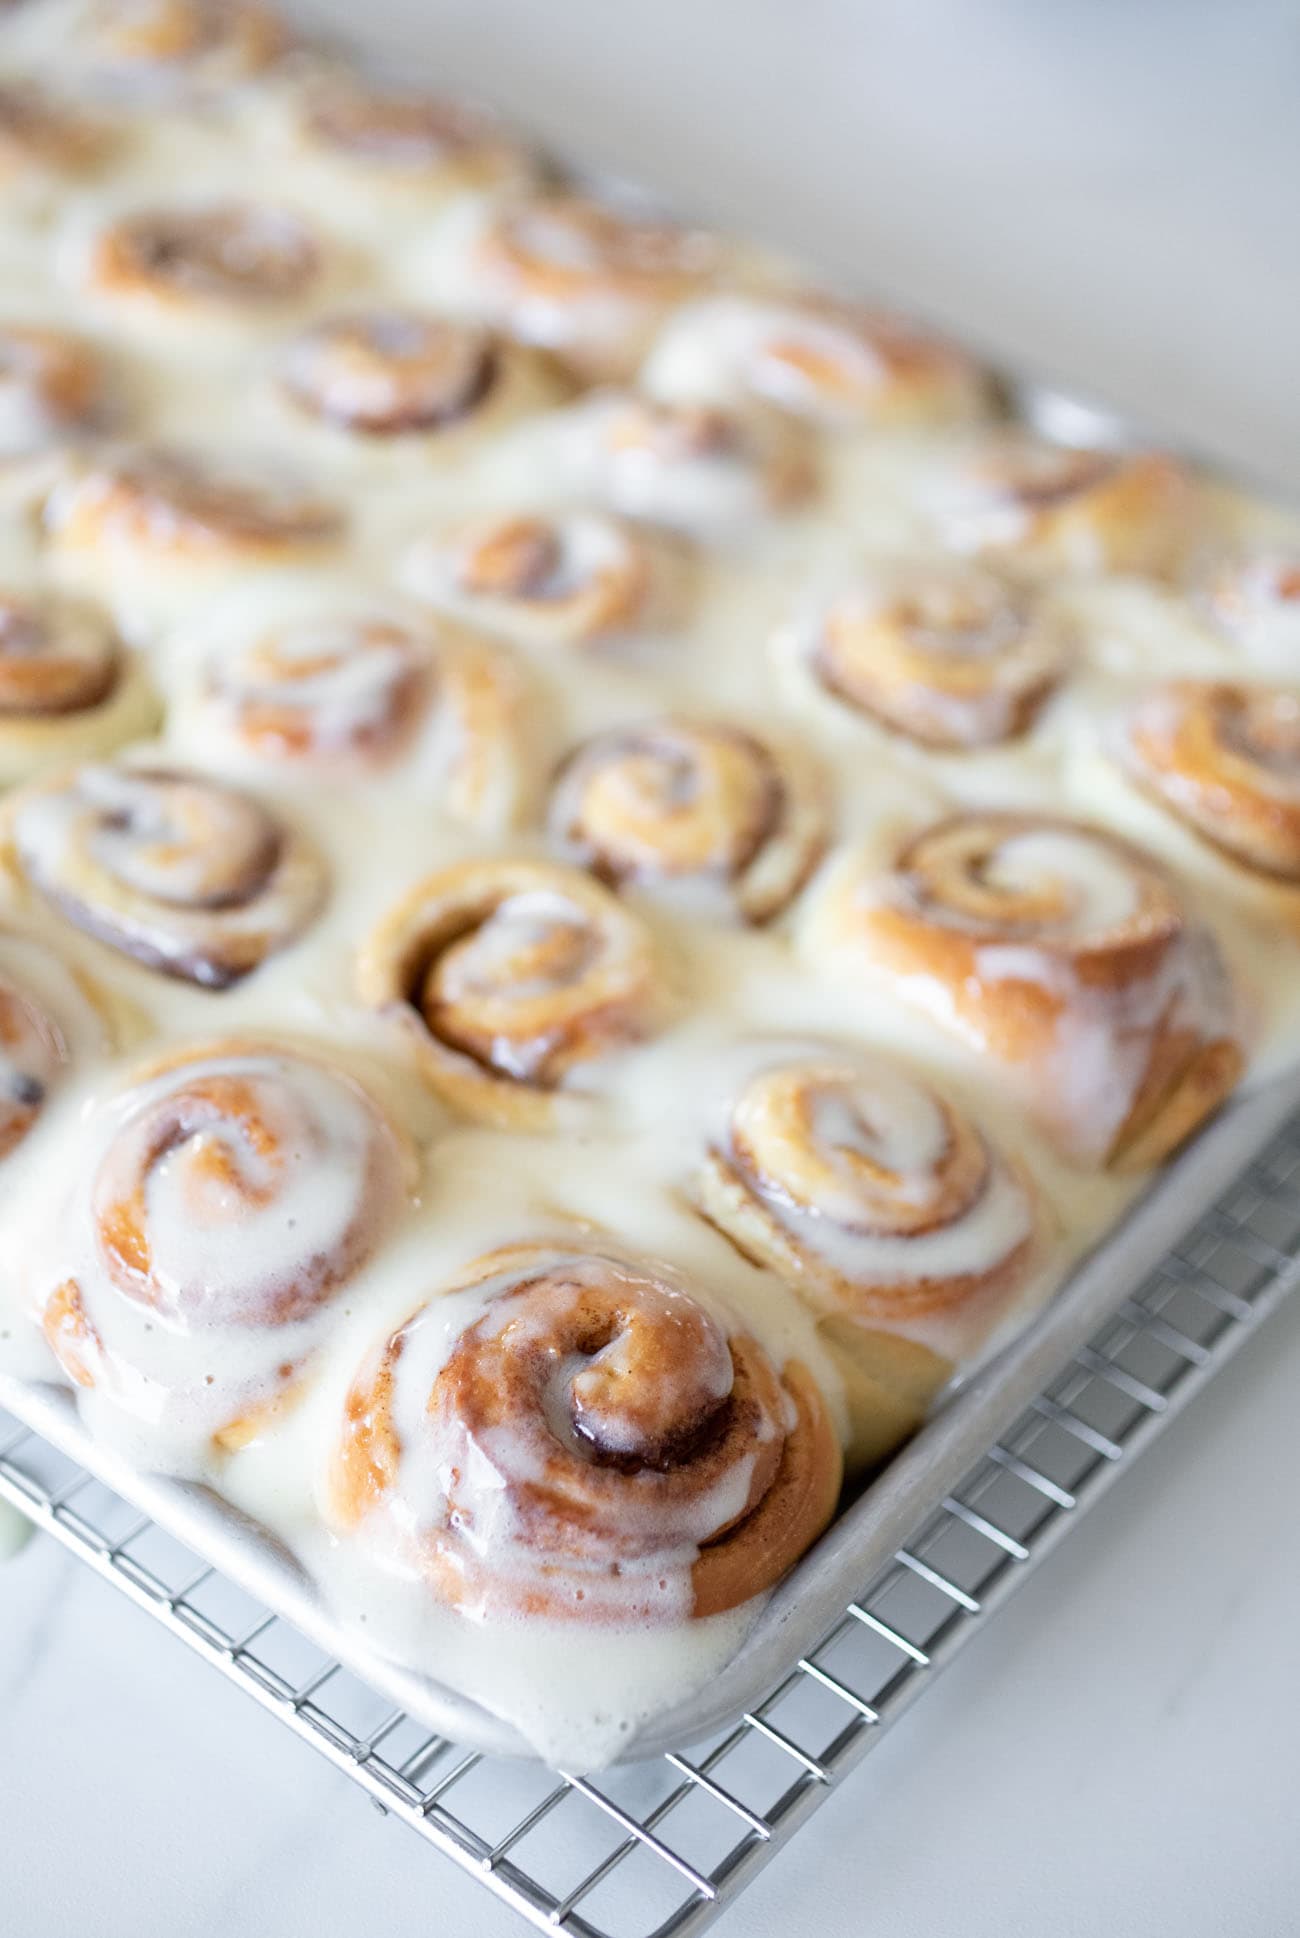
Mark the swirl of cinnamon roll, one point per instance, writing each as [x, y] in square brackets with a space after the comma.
[178, 872]
[582, 280]
[1225, 759]
[693, 468]
[366, 691]
[571, 1435]
[220, 256]
[154, 504]
[67, 685]
[401, 141]
[550, 578]
[1082, 511]
[391, 373]
[166, 47]
[1255, 598]
[948, 653]
[52, 386]
[693, 806]
[1067, 956]
[887, 1209]
[511, 981]
[233, 1194]
[836, 367]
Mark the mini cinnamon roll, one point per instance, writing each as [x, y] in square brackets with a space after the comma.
[563, 578]
[222, 257]
[1065, 955]
[390, 373]
[234, 1194]
[1254, 597]
[363, 692]
[1225, 760]
[888, 1210]
[165, 48]
[570, 1435]
[183, 875]
[51, 1022]
[582, 280]
[697, 470]
[699, 808]
[947, 653]
[31, 1056]
[512, 981]
[68, 687]
[394, 144]
[833, 366]
[44, 142]
[150, 506]
[52, 387]
[1063, 509]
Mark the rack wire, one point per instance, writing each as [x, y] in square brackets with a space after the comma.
[657, 1850]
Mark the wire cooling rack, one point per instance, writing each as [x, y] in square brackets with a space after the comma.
[658, 1849]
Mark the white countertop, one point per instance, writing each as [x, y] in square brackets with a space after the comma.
[1111, 190]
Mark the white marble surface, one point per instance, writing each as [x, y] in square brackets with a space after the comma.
[1111, 188]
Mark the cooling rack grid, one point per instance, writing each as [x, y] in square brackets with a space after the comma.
[657, 1850]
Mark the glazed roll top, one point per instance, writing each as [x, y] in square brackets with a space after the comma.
[890, 1211]
[694, 807]
[575, 1437]
[1080, 511]
[583, 280]
[1067, 955]
[945, 653]
[570, 577]
[53, 386]
[234, 1193]
[1225, 760]
[821, 361]
[512, 981]
[183, 874]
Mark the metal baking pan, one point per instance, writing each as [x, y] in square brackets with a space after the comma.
[855, 1547]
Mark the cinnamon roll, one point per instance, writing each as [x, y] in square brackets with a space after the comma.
[52, 387]
[167, 48]
[225, 258]
[51, 1026]
[888, 1210]
[180, 873]
[947, 653]
[551, 578]
[362, 691]
[68, 687]
[1225, 760]
[1080, 511]
[570, 1435]
[1254, 597]
[233, 1194]
[836, 367]
[580, 279]
[44, 141]
[151, 506]
[698, 470]
[1063, 954]
[700, 808]
[393, 144]
[512, 982]
[390, 373]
